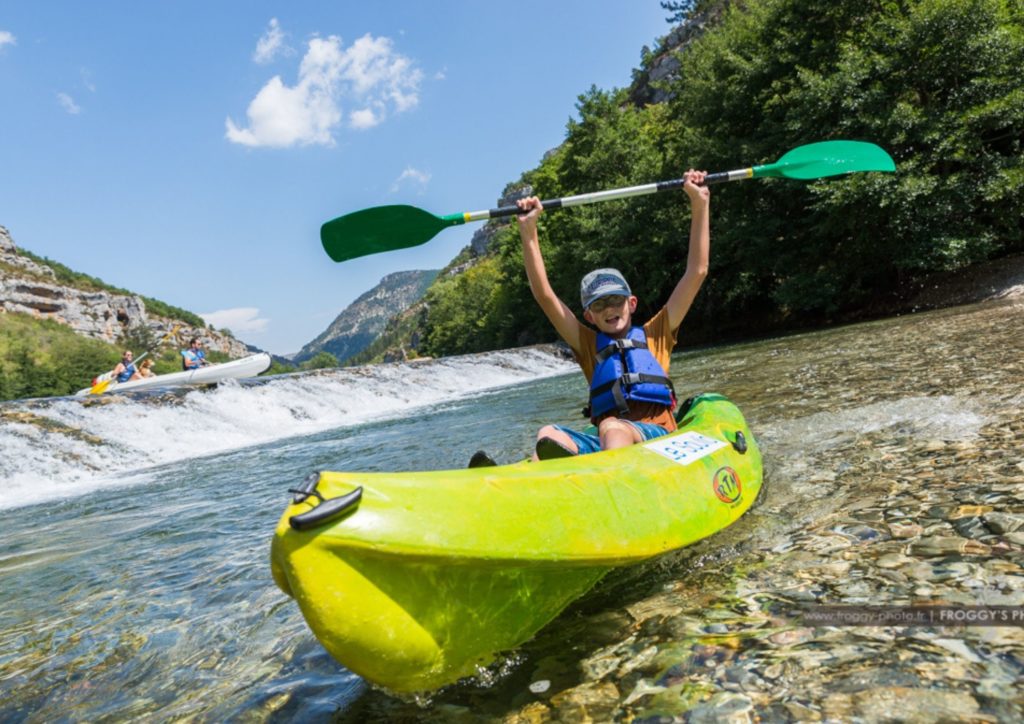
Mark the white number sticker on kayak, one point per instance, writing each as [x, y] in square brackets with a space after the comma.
[686, 448]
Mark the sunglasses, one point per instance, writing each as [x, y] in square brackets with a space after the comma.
[610, 302]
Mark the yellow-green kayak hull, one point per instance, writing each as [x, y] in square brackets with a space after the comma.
[427, 576]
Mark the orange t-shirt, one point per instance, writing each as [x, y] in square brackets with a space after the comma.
[660, 342]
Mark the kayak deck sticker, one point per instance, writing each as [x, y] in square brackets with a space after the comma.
[686, 448]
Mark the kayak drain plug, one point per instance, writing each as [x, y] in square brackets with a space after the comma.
[740, 443]
[326, 510]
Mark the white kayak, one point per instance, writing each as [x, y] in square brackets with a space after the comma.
[210, 374]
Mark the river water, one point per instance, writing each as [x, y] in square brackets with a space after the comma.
[135, 584]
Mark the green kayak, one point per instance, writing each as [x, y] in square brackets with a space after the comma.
[414, 580]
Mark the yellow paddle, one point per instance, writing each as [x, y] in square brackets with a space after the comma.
[100, 387]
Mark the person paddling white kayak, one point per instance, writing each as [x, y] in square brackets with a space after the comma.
[193, 358]
[126, 370]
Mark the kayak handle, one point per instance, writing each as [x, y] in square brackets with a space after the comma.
[326, 509]
[307, 488]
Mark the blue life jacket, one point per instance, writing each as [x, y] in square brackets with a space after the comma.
[627, 371]
[192, 360]
[129, 370]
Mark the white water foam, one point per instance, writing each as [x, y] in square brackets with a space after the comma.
[94, 446]
[943, 417]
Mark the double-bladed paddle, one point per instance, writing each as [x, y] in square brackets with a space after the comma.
[386, 228]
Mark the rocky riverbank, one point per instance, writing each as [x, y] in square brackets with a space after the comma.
[998, 279]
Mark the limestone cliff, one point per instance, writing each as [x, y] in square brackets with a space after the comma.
[30, 287]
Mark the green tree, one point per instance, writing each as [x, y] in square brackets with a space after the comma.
[321, 360]
[461, 310]
[139, 339]
[784, 72]
[766, 76]
[40, 358]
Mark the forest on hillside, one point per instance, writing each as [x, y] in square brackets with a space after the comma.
[936, 83]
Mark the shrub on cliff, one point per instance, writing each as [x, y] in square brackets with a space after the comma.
[40, 358]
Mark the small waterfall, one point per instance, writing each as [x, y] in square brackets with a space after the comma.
[62, 447]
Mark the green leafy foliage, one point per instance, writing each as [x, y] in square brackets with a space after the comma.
[787, 72]
[139, 339]
[40, 358]
[321, 360]
[278, 368]
[453, 325]
[935, 82]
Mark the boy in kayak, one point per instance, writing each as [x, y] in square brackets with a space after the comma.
[193, 358]
[631, 395]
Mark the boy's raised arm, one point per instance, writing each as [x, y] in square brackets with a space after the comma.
[560, 316]
[700, 249]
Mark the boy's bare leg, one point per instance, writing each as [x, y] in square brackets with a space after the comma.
[615, 433]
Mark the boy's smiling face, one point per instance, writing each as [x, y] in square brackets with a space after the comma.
[612, 314]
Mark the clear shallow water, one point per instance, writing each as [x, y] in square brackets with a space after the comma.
[141, 586]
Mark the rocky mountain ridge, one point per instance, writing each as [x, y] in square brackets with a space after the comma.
[29, 287]
[361, 322]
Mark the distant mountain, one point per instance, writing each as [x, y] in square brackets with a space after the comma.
[361, 322]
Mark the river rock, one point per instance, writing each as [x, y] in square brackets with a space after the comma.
[1017, 537]
[724, 707]
[892, 560]
[643, 688]
[792, 637]
[1004, 522]
[969, 511]
[533, 713]
[587, 702]
[799, 712]
[640, 660]
[946, 545]
[894, 703]
[600, 665]
[905, 529]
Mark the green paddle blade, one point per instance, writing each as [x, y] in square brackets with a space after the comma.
[827, 158]
[382, 228]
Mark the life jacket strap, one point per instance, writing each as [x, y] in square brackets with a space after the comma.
[630, 378]
[618, 346]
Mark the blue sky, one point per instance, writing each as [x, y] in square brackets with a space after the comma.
[190, 151]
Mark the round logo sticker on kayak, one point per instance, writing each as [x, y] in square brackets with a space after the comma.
[727, 485]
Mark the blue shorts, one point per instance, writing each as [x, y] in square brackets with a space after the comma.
[590, 443]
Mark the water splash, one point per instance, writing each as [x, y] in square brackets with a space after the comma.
[70, 446]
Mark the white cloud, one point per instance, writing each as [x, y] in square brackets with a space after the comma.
[363, 118]
[68, 104]
[270, 44]
[417, 177]
[7, 38]
[242, 320]
[87, 79]
[369, 73]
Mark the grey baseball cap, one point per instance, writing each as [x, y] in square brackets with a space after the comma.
[602, 283]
